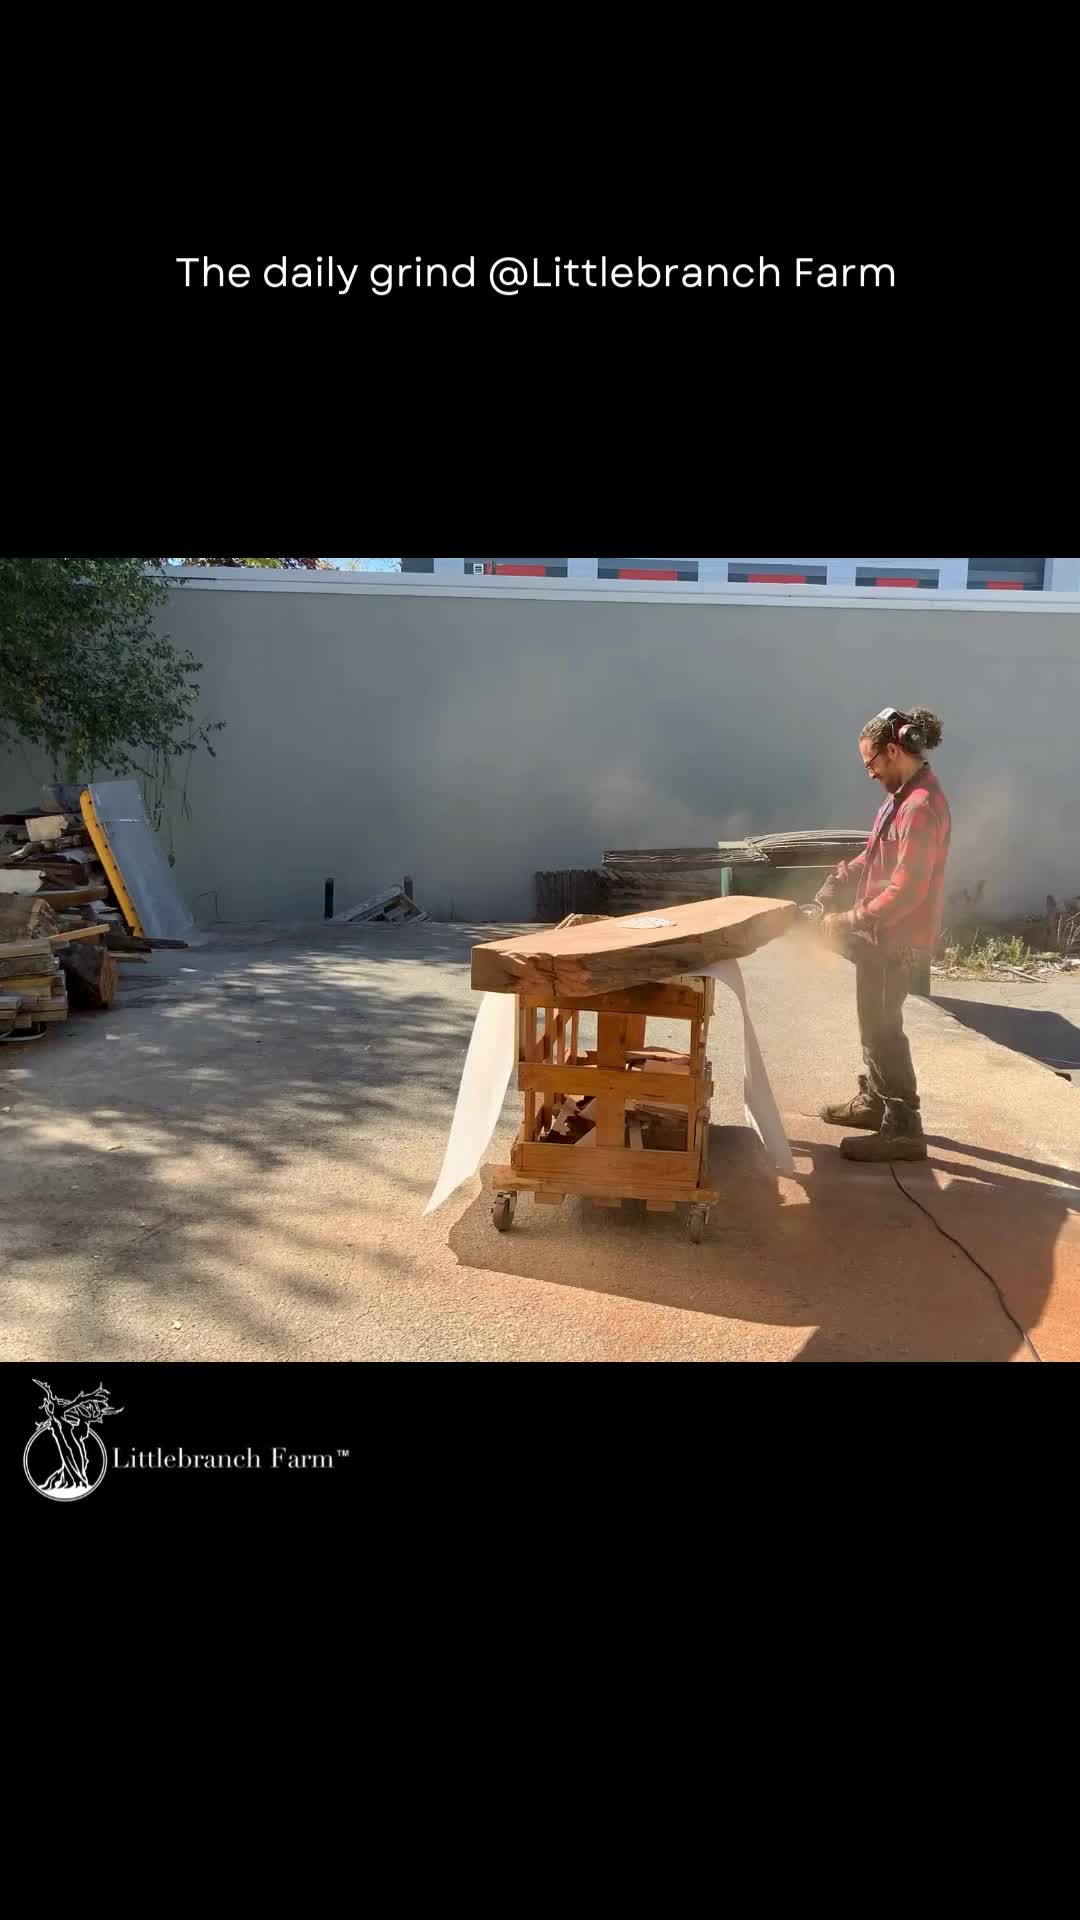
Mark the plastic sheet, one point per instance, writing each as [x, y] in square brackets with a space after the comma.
[484, 1080]
[760, 1105]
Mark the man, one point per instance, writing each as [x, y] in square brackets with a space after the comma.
[893, 926]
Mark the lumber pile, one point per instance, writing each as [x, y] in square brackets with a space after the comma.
[59, 920]
[599, 955]
[671, 876]
[32, 985]
[642, 877]
[817, 847]
[50, 855]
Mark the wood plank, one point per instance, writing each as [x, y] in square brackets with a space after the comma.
[651, 1164]
[27, 965]
[47, 826]
[668, 999]
[72, 896]
[77, 933]
[611, 1054]
[617, 953]
[15, 949]
[501, 1178]
[495, 1175]
[677, 1089]
[633, 1128]
[528, 1049]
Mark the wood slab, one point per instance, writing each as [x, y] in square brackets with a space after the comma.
[605, 956]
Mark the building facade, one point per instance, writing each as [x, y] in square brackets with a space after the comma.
[1009, 575]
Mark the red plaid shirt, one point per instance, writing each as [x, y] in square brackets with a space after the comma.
[902, 868]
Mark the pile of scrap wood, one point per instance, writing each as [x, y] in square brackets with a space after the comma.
[391, 906]
[50, 854]
[46, 966]
[60, 920]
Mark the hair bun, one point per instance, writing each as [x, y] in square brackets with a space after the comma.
[928, 724]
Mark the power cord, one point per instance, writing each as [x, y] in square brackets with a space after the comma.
[975, 1263]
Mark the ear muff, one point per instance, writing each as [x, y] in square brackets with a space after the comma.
[904, 731]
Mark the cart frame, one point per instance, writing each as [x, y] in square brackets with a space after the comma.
[624, 1088]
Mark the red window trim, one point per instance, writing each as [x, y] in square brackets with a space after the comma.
[647, 573]
[791, 579]
[1006, 586]
[896, 580]
[534, 573]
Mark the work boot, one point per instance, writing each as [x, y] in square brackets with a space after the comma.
[901, 1137]
[867, 1109]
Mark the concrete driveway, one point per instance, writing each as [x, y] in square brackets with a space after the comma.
[233, 1163]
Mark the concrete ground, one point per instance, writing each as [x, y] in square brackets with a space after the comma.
[233, 1164]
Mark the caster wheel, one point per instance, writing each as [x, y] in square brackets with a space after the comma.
[697, 1222]
[503, 1210]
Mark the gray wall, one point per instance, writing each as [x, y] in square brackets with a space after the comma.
[470, 740]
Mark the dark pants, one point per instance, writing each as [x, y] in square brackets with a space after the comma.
[882, 984]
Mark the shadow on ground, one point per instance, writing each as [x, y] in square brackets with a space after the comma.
[1042, 1035]
[226, 1139]
[840, 1249]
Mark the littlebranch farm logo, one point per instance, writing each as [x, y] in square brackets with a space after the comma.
[65, 1457]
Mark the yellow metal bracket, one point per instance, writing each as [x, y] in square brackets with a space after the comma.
[108, 860]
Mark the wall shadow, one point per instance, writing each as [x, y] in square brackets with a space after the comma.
[1041, 1035]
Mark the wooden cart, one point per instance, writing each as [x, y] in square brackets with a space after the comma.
[621, 1121]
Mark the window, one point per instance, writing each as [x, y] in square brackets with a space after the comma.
[776, 573]
[1011, 576]
[527, 569]
[647, 570]
[896, 577]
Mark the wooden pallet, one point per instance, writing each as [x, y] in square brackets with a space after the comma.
[621, 1121]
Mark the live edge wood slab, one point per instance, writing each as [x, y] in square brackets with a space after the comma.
[608, 954]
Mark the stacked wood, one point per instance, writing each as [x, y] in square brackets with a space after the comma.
[674, 876]
[50, 854]
[606, 955]
[32, 984]
[23, 919]
[817, 847]
[642, 877]
[54, 935]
